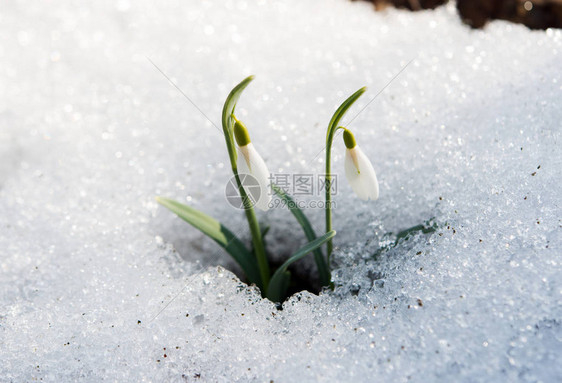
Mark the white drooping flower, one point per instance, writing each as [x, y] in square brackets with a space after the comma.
[359, 170]
[249, 162]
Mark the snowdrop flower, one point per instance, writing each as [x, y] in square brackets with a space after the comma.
[359, 170]
[250, 162]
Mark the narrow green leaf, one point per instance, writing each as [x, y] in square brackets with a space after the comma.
[429, 226]
[424, 228]
[219, 233]
[278, 284]
[323, 269]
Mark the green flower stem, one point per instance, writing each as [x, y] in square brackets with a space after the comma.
[332, 128]
[327, 185]
[228, 121]
[230, 146]
[257, 241]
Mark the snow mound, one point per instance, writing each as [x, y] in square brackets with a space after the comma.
[98, 283]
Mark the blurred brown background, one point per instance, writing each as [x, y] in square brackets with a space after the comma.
[535, 14]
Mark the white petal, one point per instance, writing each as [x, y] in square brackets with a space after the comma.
[250, 162]
[363, 179]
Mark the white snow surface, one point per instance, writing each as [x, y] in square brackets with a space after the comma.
[98, 283]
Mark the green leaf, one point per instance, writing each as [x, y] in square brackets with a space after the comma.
[219, 233]
[228, 121]
[323, 269]
[278, 283]
[425, 228]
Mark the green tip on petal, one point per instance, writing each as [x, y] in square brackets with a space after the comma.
[349, 139]
[241, 134]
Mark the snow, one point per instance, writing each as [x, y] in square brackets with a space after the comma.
[99, 283]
